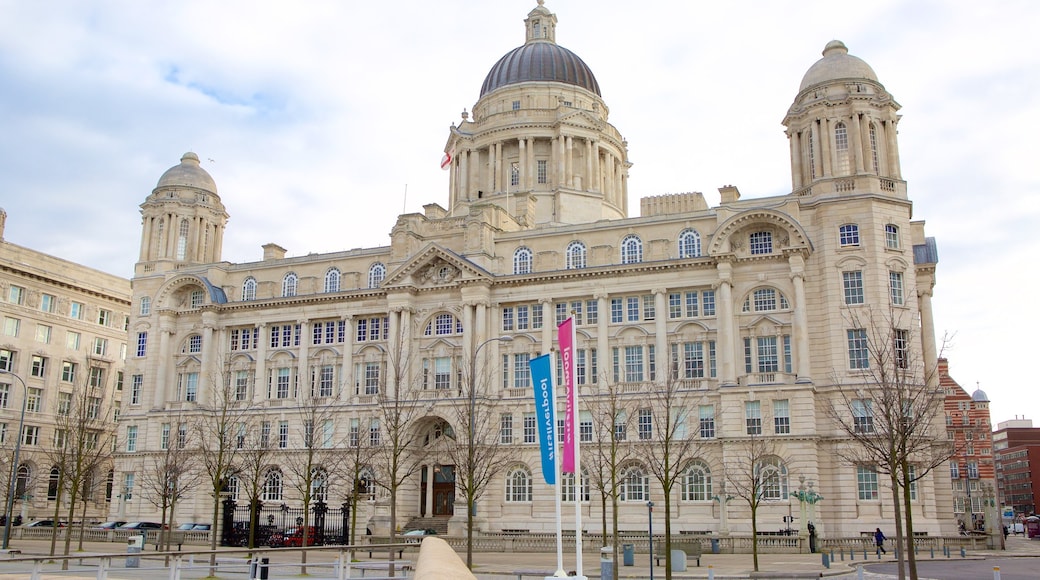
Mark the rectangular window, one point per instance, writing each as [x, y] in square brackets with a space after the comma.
[645, 424]
[76, 310]
[585, 426]
[707, 421]
[867, 483]
[241, 385]
[543, 171]
[768, 361]
[708, 303]
[592, 312]
[6, 360]
[282, 376]
[16, 295]
[892, 236]
[188, 386]
[136, 382]
[283, 434]
[781, 417]
[104, 317]
[68, 372]
[97, 377]
[72, 340]
[47, 302]
[895, 288]
[753, 417]
[852, 282]
[164, 436]
[374, 434]
[675, 305]
[11, 326]
[901, 348]
[100, 346]
[505, 431]
[372, 373]
[649, 309]
[128, 486]
[973, 470]
[761, 243]
[354, 435]
[196, 298]
[507, 319]
[848, 235]
[39, 366]
[862, 416]
[621, 426]
[530, 428]
[146, 305]
[131, 438]
[514, 170]
[632, 308]
[521, 370]
[616, 311]
[633, 364]
[43, 333]
[35, 401]
[142, 343]
[858, 353]
[30, 435]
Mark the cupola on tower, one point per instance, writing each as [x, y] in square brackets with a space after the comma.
[183, 220]
[842, 129]
[538, 144]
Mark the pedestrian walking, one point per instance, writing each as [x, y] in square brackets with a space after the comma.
[879, 540]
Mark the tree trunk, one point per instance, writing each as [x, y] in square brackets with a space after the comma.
[897, 510]
[911, 558]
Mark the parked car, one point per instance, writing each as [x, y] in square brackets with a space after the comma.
[416, 536]
[191, 526]
[44, 524]
[143, 526]
[293, 538]
[108, 525]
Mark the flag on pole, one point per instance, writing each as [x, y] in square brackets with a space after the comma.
[545, 410]
[446, 160]
[566, 337]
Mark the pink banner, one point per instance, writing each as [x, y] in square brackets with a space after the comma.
[566, 338]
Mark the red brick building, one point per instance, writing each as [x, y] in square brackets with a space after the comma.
[972, 470]
[1016, 447]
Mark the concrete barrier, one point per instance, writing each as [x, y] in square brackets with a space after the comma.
[438, 561]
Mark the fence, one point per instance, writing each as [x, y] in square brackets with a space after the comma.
[331, 525]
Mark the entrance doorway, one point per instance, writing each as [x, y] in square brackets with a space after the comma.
[441, 492]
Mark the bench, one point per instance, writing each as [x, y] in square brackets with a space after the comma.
[692, 549]
[535, 573]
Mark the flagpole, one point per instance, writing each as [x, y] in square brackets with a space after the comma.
[578, 480]
[560, 572]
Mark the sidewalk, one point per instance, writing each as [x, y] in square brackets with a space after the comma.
[509, 566]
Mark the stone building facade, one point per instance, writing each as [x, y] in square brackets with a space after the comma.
[757, 311]
[64, 338]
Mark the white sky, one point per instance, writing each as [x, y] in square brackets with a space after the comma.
[314, 117]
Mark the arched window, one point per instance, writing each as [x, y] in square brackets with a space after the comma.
[332, 280]
[249, 289]
[696, 482]
[182, 240]
[874, 149]
[272, 486]
[848, 235]
[765, 300]
[21, 486]
[689, 244]
[52, 484]
[576, 256]
[522, 261]
[631, 250]
[289, 284]
[634, 485]
[841, 147]
[376, 274]
[366, 483]
[812, 155]
[518, 485]
[892, 236]
[444, 324]
[771, 475]
[319, 484]
[567, 490]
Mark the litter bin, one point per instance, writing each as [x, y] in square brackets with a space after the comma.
[606, 563]
[134, 545]
[628, 554]
[715, 546]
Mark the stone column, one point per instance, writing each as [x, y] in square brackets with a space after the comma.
[569, 161]
[893, 150]
[816, 153]
[602, 333]
[856, 142]
[163, 370]
[431, 469]
[827, 151]
[347, 365]
[303, 375]
[490, 185]
[726, 342]
[795, 143]
[210, 377]
[928, 346]
[260, 376]
[661, 335]
[801, 320]
[587, 181]
[522, 164]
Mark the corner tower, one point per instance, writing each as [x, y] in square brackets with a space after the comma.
[539, 144]
[842, 129]
[183, 220]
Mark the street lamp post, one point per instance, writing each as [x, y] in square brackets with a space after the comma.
[471, 450]
[14, 462]
[650, 514]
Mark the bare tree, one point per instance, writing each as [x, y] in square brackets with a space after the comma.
[311, 463]
[82, 420]
[755, 472]
[355, 466]
[253, 441]
[893, 418]
[397, 455]
[171, 474]
[610, 416]
[665, 443]
[477, 450]
[220, 408]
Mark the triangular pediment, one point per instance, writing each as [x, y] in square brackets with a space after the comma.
[435, 266]
[581, 118]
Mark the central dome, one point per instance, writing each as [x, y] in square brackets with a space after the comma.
[188, 174]
[540, 61]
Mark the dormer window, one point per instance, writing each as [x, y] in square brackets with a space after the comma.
[537, 27]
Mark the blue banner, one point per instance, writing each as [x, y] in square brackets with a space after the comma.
[545, 410]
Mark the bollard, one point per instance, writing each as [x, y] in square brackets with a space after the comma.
[864, 553]
[932, 550]
[859, 572]
[711, 572]
[996, 573]
[852, 555]
[842, 553]
[825, 560]
[832, 555]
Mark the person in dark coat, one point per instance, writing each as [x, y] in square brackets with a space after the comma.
[879, 540]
